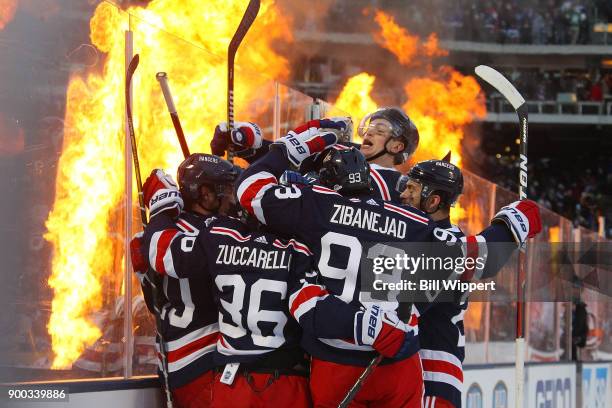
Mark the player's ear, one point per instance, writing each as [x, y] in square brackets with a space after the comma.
[395, 146]
[432, 203]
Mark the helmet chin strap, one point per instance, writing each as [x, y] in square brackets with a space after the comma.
[381, 153]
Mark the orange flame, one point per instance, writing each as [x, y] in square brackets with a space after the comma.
[441, 103]
[402, 44]
[90, 180]
[7, 12]
[441, 107]
[355, 96]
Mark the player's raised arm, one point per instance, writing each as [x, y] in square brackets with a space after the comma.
[258, 189]
[168, 243]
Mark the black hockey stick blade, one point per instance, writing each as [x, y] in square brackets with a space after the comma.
[131, 69]
[245, 24]
[130, 122]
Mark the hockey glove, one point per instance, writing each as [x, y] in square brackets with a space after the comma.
[139, 262]
[385, 332]
[344, 124]
[299, 146]
[161, 194]
[245, 135]
[293, 177]
[522, 218]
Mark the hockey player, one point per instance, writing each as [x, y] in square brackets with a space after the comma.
[433, 186]
[389, 138]
[189, 324]
[260, 282]
[336, 228]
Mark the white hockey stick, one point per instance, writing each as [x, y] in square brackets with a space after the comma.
[503, 86]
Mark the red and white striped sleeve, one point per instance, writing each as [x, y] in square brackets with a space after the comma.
[171, 247]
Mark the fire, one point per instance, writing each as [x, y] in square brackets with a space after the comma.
[7, 12]
[355, 96]
[441, 107]
[402, 44]
[441, 103]
[90, 179]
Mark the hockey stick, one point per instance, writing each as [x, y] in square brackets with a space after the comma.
[245, 24]
[350, 395]
[143, 217]
[162, 78]
[128, 83]
[503, 86]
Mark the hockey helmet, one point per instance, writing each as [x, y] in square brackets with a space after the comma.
[401, 128]
[345, 170]
[436, 176]
[201, 169]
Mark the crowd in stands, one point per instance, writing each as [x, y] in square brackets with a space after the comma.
[526, 21]
[579, 189]
[501, 21]
[542, 85]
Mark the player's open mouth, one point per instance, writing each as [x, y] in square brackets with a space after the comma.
[367, 143]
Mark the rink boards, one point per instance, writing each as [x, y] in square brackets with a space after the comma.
[548, 385]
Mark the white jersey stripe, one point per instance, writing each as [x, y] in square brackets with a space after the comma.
[185, 361]
[256, 203]
[192, 336]
[307, 306]
[382, 186]
[443, 378]
[406, 213]
[439, 355]
[250, 180]
[230, 233]
[323, 190]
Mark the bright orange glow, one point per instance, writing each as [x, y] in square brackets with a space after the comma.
[7, 12]
[355, 97]
[554, 234]
[90, 179]
[395, 38]
[441, 103]
[404, 45]
[441, 106]
[431, 47]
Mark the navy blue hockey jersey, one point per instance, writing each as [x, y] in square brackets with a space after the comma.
[384, 180]
[189, 318]
[335, 229]
[259, 282]
[441, 334]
